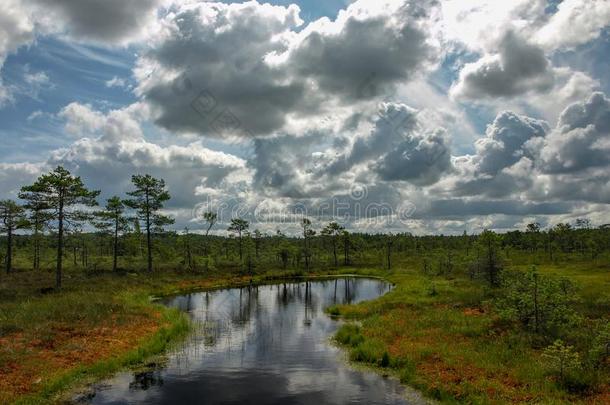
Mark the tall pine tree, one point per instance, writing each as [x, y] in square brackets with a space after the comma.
[61, 192]
[148, 198]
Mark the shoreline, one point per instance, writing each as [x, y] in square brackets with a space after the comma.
[444, 346]
[170, 325]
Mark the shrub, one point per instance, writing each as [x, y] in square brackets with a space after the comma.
[540, 304]
[407, 372]
[488, 263]
[368, 351]
[333, 310]
[561, 359]
[599, 352]
[385, 360]
[430, 287]
[349, 335]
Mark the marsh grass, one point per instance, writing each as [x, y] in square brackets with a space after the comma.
[454, 347]
[176, 326]
[451, 344]
[98, 323]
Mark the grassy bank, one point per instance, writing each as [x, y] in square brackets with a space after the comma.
[146, 343]
[439, 334]
[97, 324]
[442, 336]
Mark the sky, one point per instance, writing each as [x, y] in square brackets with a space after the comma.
[433, 116]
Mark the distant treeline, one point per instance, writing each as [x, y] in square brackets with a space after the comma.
[130, 235]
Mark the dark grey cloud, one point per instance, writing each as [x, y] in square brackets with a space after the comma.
[394, 122]
[505, 182]
[462, 207]
[521, 156]
[284, 165]
[399, 148]
[251, 70]
[243, 70]
[107, 21]
[365, 59]
[209, 75]
[419, 160]
[504, 158]
[591, 186]
[518, 68]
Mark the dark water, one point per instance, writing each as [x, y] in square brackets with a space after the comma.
[260, 345]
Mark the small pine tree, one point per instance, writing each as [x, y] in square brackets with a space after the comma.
[238, 227]
[489, 262]
[333, 230]
[111, 220]
[561, 359]
[540, 304]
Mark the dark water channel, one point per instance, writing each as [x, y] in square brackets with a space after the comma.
[261, 345]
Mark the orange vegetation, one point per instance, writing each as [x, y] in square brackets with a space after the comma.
[445, 370]
[32, 362]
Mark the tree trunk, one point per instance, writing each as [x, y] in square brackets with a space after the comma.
[335, 252]
[60, 243]
[83, 253]
[148, 239]
[389, 256]
[240, 251]
[9, 249]
[115, 244]
[189, 256]
[306, 255]
[206, 242]
[36, 244]
[536, 314]
[490, 264]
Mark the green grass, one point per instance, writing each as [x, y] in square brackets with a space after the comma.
[46, 334]
[65, 325]
[438, 334]
[451, 345]
[592, 281]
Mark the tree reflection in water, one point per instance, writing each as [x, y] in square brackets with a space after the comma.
[267, 344]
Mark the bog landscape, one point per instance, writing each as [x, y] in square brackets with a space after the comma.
[325, 202]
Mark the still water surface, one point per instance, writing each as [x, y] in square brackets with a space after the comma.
[260, 345]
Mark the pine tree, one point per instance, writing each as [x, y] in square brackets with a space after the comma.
[60, 192]
[149, 196]
[239, 226]
[38, 217]
[111, 219]
[13, 217]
